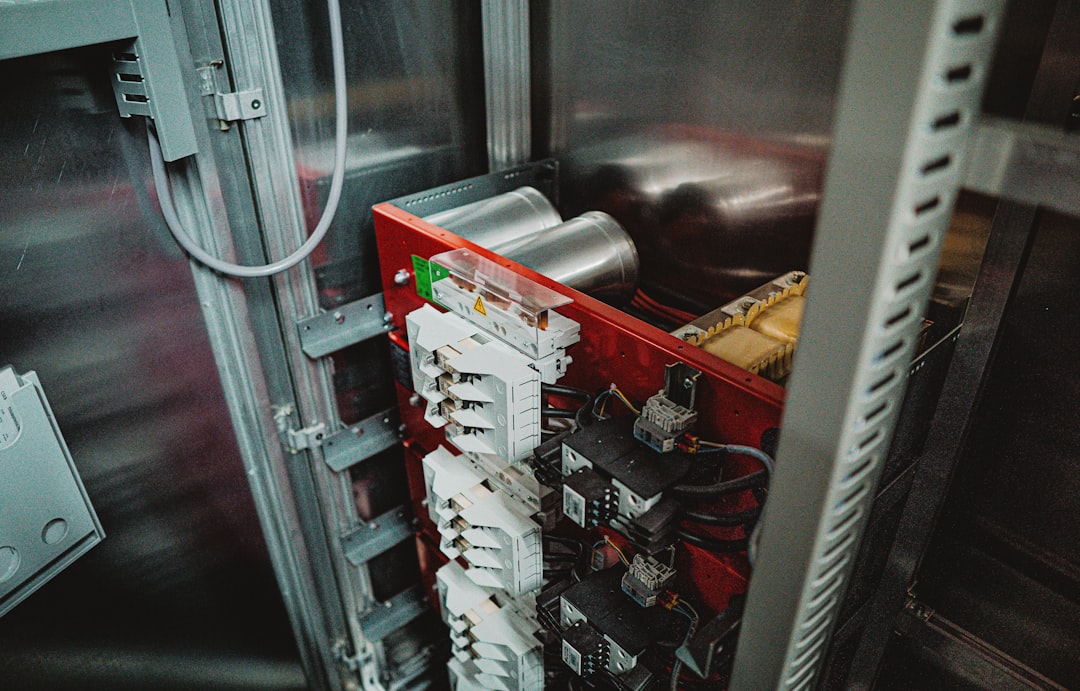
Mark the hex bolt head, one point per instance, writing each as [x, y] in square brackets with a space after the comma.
[388, 317]
[401, 277]
[339, 317]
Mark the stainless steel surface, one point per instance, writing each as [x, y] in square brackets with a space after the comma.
[591, 253]
[500, 220]
[97, 299]
[646, 98]
[507, 82]
[884, 213]
[746, 207]
[1031, 164]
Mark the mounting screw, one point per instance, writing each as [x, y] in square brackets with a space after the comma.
[339, 317]
[256, 104]
[388, 317]
[401, 277]
[687, 383]
[414, 400]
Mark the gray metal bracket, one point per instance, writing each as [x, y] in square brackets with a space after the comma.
[362, 440]
[347, 325]
[147, 79]
[391, 615]
[377, 535]
[230, 106]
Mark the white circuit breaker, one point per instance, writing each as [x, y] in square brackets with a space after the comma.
[482, 523]
[479, 370]
[493, 640]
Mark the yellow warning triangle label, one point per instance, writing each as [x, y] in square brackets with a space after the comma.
[479, 306]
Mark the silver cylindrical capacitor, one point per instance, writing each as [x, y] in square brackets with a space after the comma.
[502, 219]
[591, 253]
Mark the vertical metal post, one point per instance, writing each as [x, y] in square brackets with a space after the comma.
[507, 82]
[904, 116]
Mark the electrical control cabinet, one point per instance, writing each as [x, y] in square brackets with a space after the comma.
[587, 483]
[46, 519]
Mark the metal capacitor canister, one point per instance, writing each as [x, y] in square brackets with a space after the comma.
[591, 253]
[712, 218]
[499, 220]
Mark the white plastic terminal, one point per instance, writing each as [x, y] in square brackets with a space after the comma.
[484, 393]
[493, 640]
[512, 308]
[483, 524]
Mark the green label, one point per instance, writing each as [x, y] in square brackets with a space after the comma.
[422, 272]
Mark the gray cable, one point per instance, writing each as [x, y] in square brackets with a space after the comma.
[168, 210]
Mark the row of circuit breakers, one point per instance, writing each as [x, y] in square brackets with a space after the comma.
[559, 509]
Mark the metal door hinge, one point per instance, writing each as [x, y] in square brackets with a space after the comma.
[296, 440]
[230, 106]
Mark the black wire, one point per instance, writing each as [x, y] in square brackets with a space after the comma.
[560, 390]
[713, 544]
[751, 481]
[576, 545]
[568, 558]
[728, 519]
[582, 416]
[578, 415]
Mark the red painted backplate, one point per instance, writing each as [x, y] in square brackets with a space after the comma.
[734, 406]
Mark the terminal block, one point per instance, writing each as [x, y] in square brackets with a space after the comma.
[483, 524]
[584, 650]
[669, 413]
[662, 421]
[646, 579]
[493, 640]
[612, 479]
[589, 500]
[483, 392]
[628, 630]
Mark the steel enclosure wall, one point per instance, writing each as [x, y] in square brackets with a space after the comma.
[96, 297]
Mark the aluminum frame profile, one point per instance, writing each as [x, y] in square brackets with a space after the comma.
[246, 340]
[260, 377]
[902, 130]
[507, 82]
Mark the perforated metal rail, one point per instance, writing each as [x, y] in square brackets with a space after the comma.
[911, 90]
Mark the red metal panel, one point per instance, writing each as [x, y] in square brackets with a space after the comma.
[734, 406]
